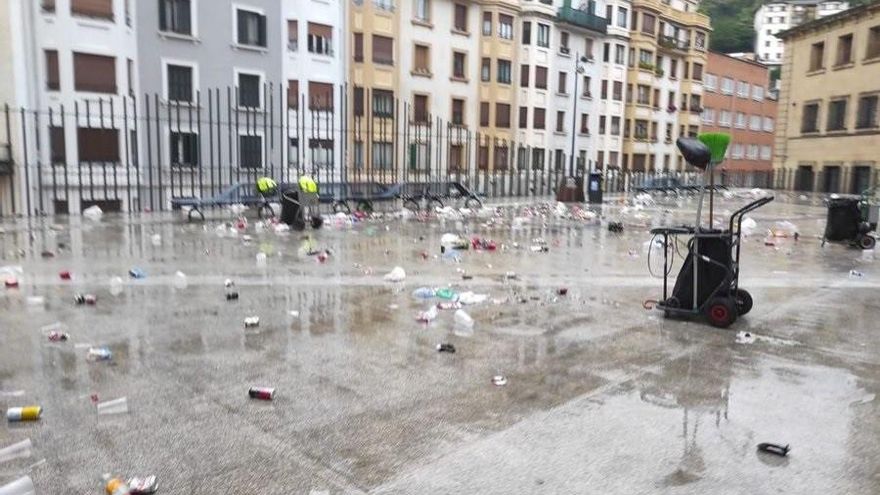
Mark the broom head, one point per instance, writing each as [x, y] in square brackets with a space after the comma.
[717, 142]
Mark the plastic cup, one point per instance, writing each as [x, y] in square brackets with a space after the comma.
[21, 486]
[16, 451]
[115, 406]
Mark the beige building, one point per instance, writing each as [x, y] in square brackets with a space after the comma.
[828, 135]
[7, 97]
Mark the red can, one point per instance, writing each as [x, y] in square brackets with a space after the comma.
[65, 275]
[262, 393]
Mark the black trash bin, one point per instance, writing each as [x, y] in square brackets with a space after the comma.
[291, 210]
[843, 221]
[594, 188]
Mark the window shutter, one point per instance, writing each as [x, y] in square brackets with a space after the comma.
[261, 34]
[95, 73]
[93, 8]
[242, 28]
[320, 96]
[292, 32]
[293, 94]
[98, 145]
[52, 76]
[163, 19]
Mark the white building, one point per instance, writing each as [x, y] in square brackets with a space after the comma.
[778, 16]
[610, 112]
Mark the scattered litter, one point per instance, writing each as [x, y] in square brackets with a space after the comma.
[21, 486]
[783, 229]
[772, 448]
[64, 275]
[499, 380]
[115, 286]
[55, 336]
[99, 354]
[36, 300]
[463, 320]
[11, 283]
[453, 242]
[232, 296]
[616, 227]
[137, 273]
[427, 316]
[510, 276]
[396, 275]
[26, 413]
[864, 400]
[470, 298]
[93, 213]
[228, 283]
[294, 314]
[745, 338]
[180, 281]
[423, 293]
[11, 393]
[156, 239]
[261, 260]
[89, 299]
[115, 406]
[483, 244]
[446, 348]
[252, 321]
[465, 276]
[539, 249]
[20, 450]
[562, 291]
[447, 294]
[143, 486]
[748, 226]
[262, 393]
[751, 338]
[856, 274]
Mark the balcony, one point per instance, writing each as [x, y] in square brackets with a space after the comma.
[672, 43]
[582, 19]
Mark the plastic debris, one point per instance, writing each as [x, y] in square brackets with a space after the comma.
[137, 273]
[156, 239]
[470, 298]
[21, 486]
[64, 275]
[398, 274]
[11, 393]
[56, 336]
[499, 380]
[143, 485]
[26, 413]
[562, 291]
[115, 485]
[745, 338]
[463, 320]
[20, 450]
[180, 280]
[427, 316]
[36, 300]
[449, 305]
[232, 296]
[483, 244]
[252, 321]
[99, 354]
[11, 282]
[261, 393]
[115, 286]
[447, 294]
[115, 406]
[228, 283]
[453, 242]
[775, 449]
[446, 348]
[856, 274]
[783, 229]
[89, 299]
[261, 260]
[748, 226]
[93, 213]
[616, 227]
[423, 293]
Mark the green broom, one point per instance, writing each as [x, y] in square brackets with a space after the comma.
[717, 142]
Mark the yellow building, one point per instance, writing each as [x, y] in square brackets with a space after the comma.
[828, 136]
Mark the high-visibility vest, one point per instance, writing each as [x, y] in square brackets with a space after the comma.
[266, 185]
[307, 184]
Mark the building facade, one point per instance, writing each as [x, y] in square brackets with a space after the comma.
[737, 102]
[777, 16]
[828, 132]
[664, 88]
[9, 183]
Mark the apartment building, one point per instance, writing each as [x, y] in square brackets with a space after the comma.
[828, 131]
[9, 182]
[777, 16]
[736, 101]
[664, 90]
[607, 87]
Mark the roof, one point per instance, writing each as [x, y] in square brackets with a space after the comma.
[739, 59]
[830, 19]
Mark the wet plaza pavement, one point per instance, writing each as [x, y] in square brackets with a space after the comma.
[602, 397]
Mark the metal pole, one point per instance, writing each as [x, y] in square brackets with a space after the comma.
[574, 111]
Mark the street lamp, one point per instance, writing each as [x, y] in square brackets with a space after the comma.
[579, 69]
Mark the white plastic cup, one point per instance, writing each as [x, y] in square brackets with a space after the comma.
[21, 486]
[16, 451]
[115, 406]
[115, 286]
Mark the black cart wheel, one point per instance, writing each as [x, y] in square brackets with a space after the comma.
[743, 301]
[867, 242]
[721, 312]
[265, 211]
[365, 206]
[341, 207]
[411, 204]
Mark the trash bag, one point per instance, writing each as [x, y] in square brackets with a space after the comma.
[93, 213]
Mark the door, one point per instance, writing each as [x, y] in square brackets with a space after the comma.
[861, 179]
[803, 180]
[831, 179]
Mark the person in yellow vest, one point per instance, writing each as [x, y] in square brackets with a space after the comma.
[308, 185]
[308, 193]
[266, 186]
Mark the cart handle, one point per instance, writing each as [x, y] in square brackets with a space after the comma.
[754, 205]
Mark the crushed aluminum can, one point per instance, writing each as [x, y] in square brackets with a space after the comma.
[252, 321]
[56, 336]
[262, 393]
[27, 413]
[143, 486]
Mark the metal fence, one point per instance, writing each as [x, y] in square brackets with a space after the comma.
[127, 153]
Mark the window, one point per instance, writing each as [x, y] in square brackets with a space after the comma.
[648, 23]
[526, 33]
[646, 57]
[321, 151]
[817, 56]
[736, 151]
[420, 109]
[180, 83]
[483, 157]
[727, 85]
[844, 49]
[248, 90]
[752, 152]
[184, 149]
[609, 14]
[97, 145]
[175, 16]
[708, 116]
[383, 103]
[292, 35]
[766, 152]
[810, 118]
[524, 76]
[626, 127]
[48, 6]
[643, 95]
[837, 115]
[502, 115]
[606, 52]
[358, 47]
[487, 24]
[422, 62]
[585, 124]
[383, 50]
[102, 9]
[618, 91]
[755, 122]
[523, 117]
[758, 92]
[656, 99]
[293, 97]
[502, 157]
[456, 157]
[697, 72]
[867, 112]
[538, 158]
[53, 79]
[615, 126]
[668, 132]
[486, 70]
[57, 147]
[457, 111]
[484, 114]
[585, 87]
[602, 124]
[459, 63]
[740, 120]
[562, 86]
[320, 96]
[540, 77]
[873, 50]
[588, 48]
[504, 71]
[320, 39]
[641, 129]
[543, 35]
[357, 154]
[724, 118]
[622, 15]
[742, 89]
[603, 93]
[673, 69]
[563, 42]
[696, 105]
[251, 28]
[460, 22]
[94, 73]
[768, 124]
[620, 55]
[538, 118]
[423, 10]
[505, 27]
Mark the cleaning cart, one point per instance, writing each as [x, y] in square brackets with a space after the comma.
[852, 219]
[707, 285]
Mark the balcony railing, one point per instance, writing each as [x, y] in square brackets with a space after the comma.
[673, 43]
[580, 18]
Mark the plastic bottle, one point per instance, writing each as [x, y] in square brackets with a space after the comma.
[115, 286]
[463, 320]
[423, 293]
[16, 451]
[446, 293]
[21, 486]
[115, 406]
[114, 485]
